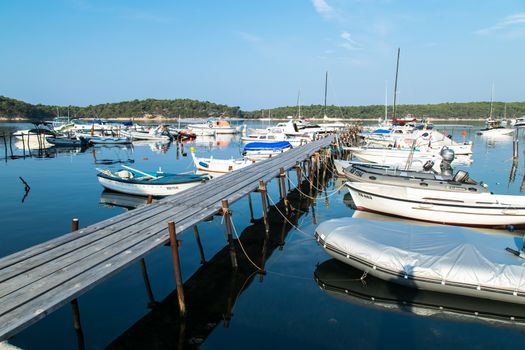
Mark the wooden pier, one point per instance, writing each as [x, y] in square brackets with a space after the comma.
[38, 280]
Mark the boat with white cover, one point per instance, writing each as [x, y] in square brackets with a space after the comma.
[453, 208]
[218, 125]
[263, 150]
[435, 258]
[345, 283]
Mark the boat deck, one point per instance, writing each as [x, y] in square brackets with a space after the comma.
[40, 279]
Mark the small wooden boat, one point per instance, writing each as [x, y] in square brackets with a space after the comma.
[434, 258]
[136, 182]
[344, 282]
[444, 207]
[263, 150]
[221, 166]
[460, 182]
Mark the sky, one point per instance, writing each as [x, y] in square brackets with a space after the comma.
[262, 54]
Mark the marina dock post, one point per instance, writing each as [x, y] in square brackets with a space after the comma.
[74, 303]
[262, 189]
[174, 243]
[226, 212]
[283, 186]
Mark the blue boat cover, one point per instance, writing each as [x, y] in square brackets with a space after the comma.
[258, 146]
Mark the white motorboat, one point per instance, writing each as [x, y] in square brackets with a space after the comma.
[434, 258]
[460, 182]
[219, 125]
[469, 208]
[221, 166]
[493, 127]
[395, 157]
[520, 122]
[160, 133]
[258, 150]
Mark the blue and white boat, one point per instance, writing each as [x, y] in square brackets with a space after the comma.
[136, 182]
[262, 150]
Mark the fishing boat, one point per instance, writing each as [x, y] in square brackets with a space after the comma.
[221, 166]
[263, 150]
[467, 208]
[136, 182]
[435, 258]
[460, 182]
[345, 283]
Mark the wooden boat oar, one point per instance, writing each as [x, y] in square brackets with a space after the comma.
[141, 172]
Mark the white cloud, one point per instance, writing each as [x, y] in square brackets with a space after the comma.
[348, 43]
[322, 7]
[510, 26]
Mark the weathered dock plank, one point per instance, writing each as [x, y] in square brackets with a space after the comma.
[40, 279]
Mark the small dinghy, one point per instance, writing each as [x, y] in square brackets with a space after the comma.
[66, 141]
[436, 258]
[221, 166]
[136, 182]
[460, 182]
[347, 283]
[262, 150]
[443, 207]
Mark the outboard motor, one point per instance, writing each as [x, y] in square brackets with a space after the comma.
[448, 156]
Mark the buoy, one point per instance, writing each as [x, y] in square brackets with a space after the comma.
[144, 158]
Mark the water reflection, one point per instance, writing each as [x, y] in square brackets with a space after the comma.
[115, 199]
[211, 292]
[344, 282]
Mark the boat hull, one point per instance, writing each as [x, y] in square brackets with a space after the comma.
[145, 189]
[436, 207]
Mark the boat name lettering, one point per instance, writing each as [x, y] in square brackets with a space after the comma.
[364, 195]
[356, 172]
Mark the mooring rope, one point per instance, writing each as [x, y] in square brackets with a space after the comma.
[328, 193]
[242, 247]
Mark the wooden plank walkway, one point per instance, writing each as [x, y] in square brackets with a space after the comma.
[38, 280]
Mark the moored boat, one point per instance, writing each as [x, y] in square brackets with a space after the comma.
[221, 166]
[469, 208]
[132, 181]
[263, 150]
[460, 182]
[435, 258]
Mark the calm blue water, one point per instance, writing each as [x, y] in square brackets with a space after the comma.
[285, 309]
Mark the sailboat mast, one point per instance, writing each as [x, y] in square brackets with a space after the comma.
[395, 85]
[299, 103]
[491, 100]
[325, 90]
[386, 101]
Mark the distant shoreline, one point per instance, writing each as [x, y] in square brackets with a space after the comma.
[171, 120]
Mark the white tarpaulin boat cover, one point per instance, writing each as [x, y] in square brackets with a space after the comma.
[443, 253]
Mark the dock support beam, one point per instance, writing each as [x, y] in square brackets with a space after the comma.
[174, 243]
[226, 212]
[283, 187]
[262, 189]
[74, 303]
[299, 174]
[250, 207]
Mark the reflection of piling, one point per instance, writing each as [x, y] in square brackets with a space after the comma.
[199, 244]
[515, 145]
[151, 299]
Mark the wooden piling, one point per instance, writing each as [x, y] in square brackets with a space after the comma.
[515, 146]
[174, 243]
[74, 303]
[226, 212]
[5, 147]
[283, 186]
[299, 174]
[150, 199]
[250, 207]
[262, 190]
[199, 244]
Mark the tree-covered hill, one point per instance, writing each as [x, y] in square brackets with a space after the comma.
[12, 109]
